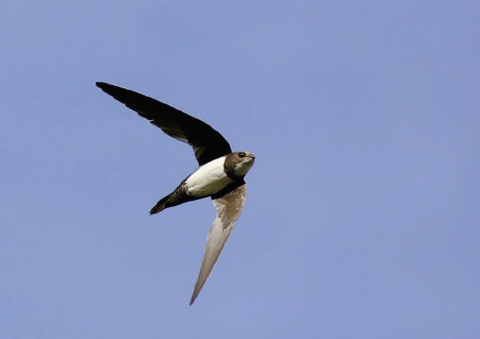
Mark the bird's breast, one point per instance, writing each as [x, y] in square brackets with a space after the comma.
[208, 179]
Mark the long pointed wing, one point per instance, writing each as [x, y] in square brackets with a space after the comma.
[229, 207]
[207, 143]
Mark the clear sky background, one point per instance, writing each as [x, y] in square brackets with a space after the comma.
[362, 218]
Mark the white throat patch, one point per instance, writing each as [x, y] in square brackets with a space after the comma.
[243, 167]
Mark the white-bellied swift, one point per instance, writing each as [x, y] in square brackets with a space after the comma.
[220, 175]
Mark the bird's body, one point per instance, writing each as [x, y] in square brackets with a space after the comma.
[220, 175]
[208, 179]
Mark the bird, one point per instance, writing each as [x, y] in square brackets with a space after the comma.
[220, 174]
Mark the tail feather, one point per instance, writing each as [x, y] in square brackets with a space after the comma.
[177, 197]
[160, 206]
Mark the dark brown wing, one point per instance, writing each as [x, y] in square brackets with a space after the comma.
[229, 207]
[207, 143]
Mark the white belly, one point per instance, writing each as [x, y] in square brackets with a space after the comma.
[208, 179]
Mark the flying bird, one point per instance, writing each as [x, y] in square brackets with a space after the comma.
[220, 174]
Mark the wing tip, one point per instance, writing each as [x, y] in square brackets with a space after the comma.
[196, 290]
[107, 88]
[101, 84]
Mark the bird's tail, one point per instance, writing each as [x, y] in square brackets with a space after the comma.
[160, 206]
[177, 197]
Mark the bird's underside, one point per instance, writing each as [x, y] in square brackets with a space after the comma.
[220, 175]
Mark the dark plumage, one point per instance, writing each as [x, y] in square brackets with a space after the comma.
[220, 175]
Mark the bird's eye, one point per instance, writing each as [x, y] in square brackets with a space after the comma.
[241, 154]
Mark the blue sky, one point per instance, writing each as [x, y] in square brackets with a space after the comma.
[362, 218]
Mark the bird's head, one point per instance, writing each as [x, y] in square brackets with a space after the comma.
[239, 163]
